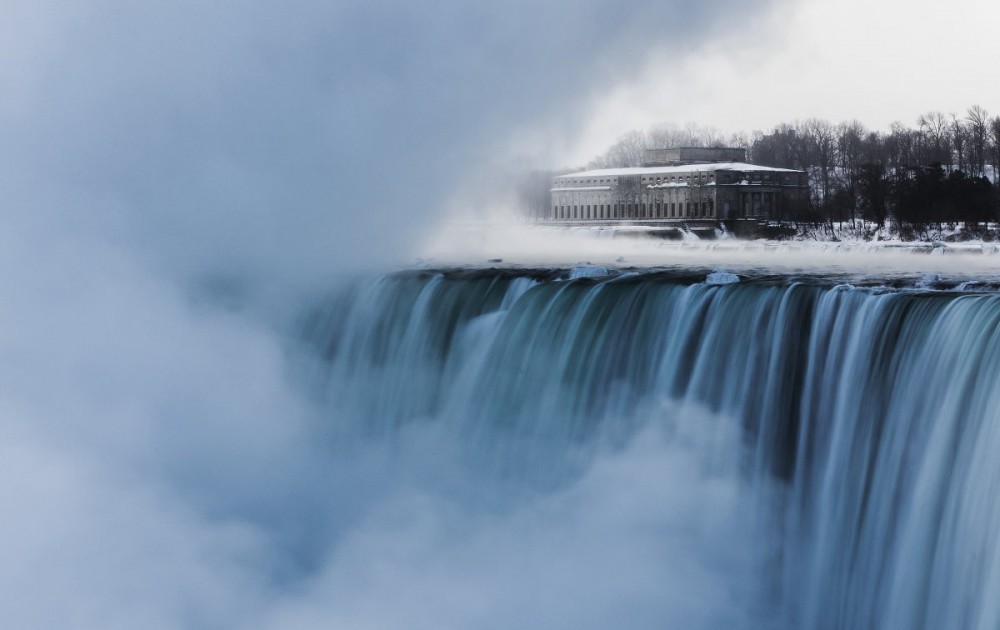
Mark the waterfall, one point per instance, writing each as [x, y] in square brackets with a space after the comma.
[860, 427]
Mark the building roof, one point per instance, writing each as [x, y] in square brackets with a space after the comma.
[686, 168]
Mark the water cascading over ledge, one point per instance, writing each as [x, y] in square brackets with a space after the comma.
[874, 412]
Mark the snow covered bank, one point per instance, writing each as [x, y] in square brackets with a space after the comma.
[512, 244]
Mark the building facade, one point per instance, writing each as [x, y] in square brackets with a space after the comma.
[666, 191]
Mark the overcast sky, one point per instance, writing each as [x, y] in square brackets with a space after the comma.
[174, 174]
[877, 62]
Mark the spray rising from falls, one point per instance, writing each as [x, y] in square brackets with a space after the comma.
[840, 442]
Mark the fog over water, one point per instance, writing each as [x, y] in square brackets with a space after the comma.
[179, 184]
[175, 179]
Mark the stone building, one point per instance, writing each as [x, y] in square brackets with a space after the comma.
[685, 185]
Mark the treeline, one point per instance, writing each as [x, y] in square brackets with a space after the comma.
[944, 170]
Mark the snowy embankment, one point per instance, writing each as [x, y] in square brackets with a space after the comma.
[951, 233]
[524, 245]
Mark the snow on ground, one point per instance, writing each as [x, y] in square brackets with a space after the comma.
[529, 245]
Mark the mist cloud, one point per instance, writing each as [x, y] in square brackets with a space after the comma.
[294, 136]
[159, 162]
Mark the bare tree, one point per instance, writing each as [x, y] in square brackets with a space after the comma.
[821, 141]
[978, 132]
[958, 137]
[712, 137]
[995, 148]
[626, 151]
[738, 140]
[936, 129]
[665, 135]
[694, 136]
[902, 146]
[850, 154]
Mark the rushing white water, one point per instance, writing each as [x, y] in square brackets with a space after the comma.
[665, 452]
